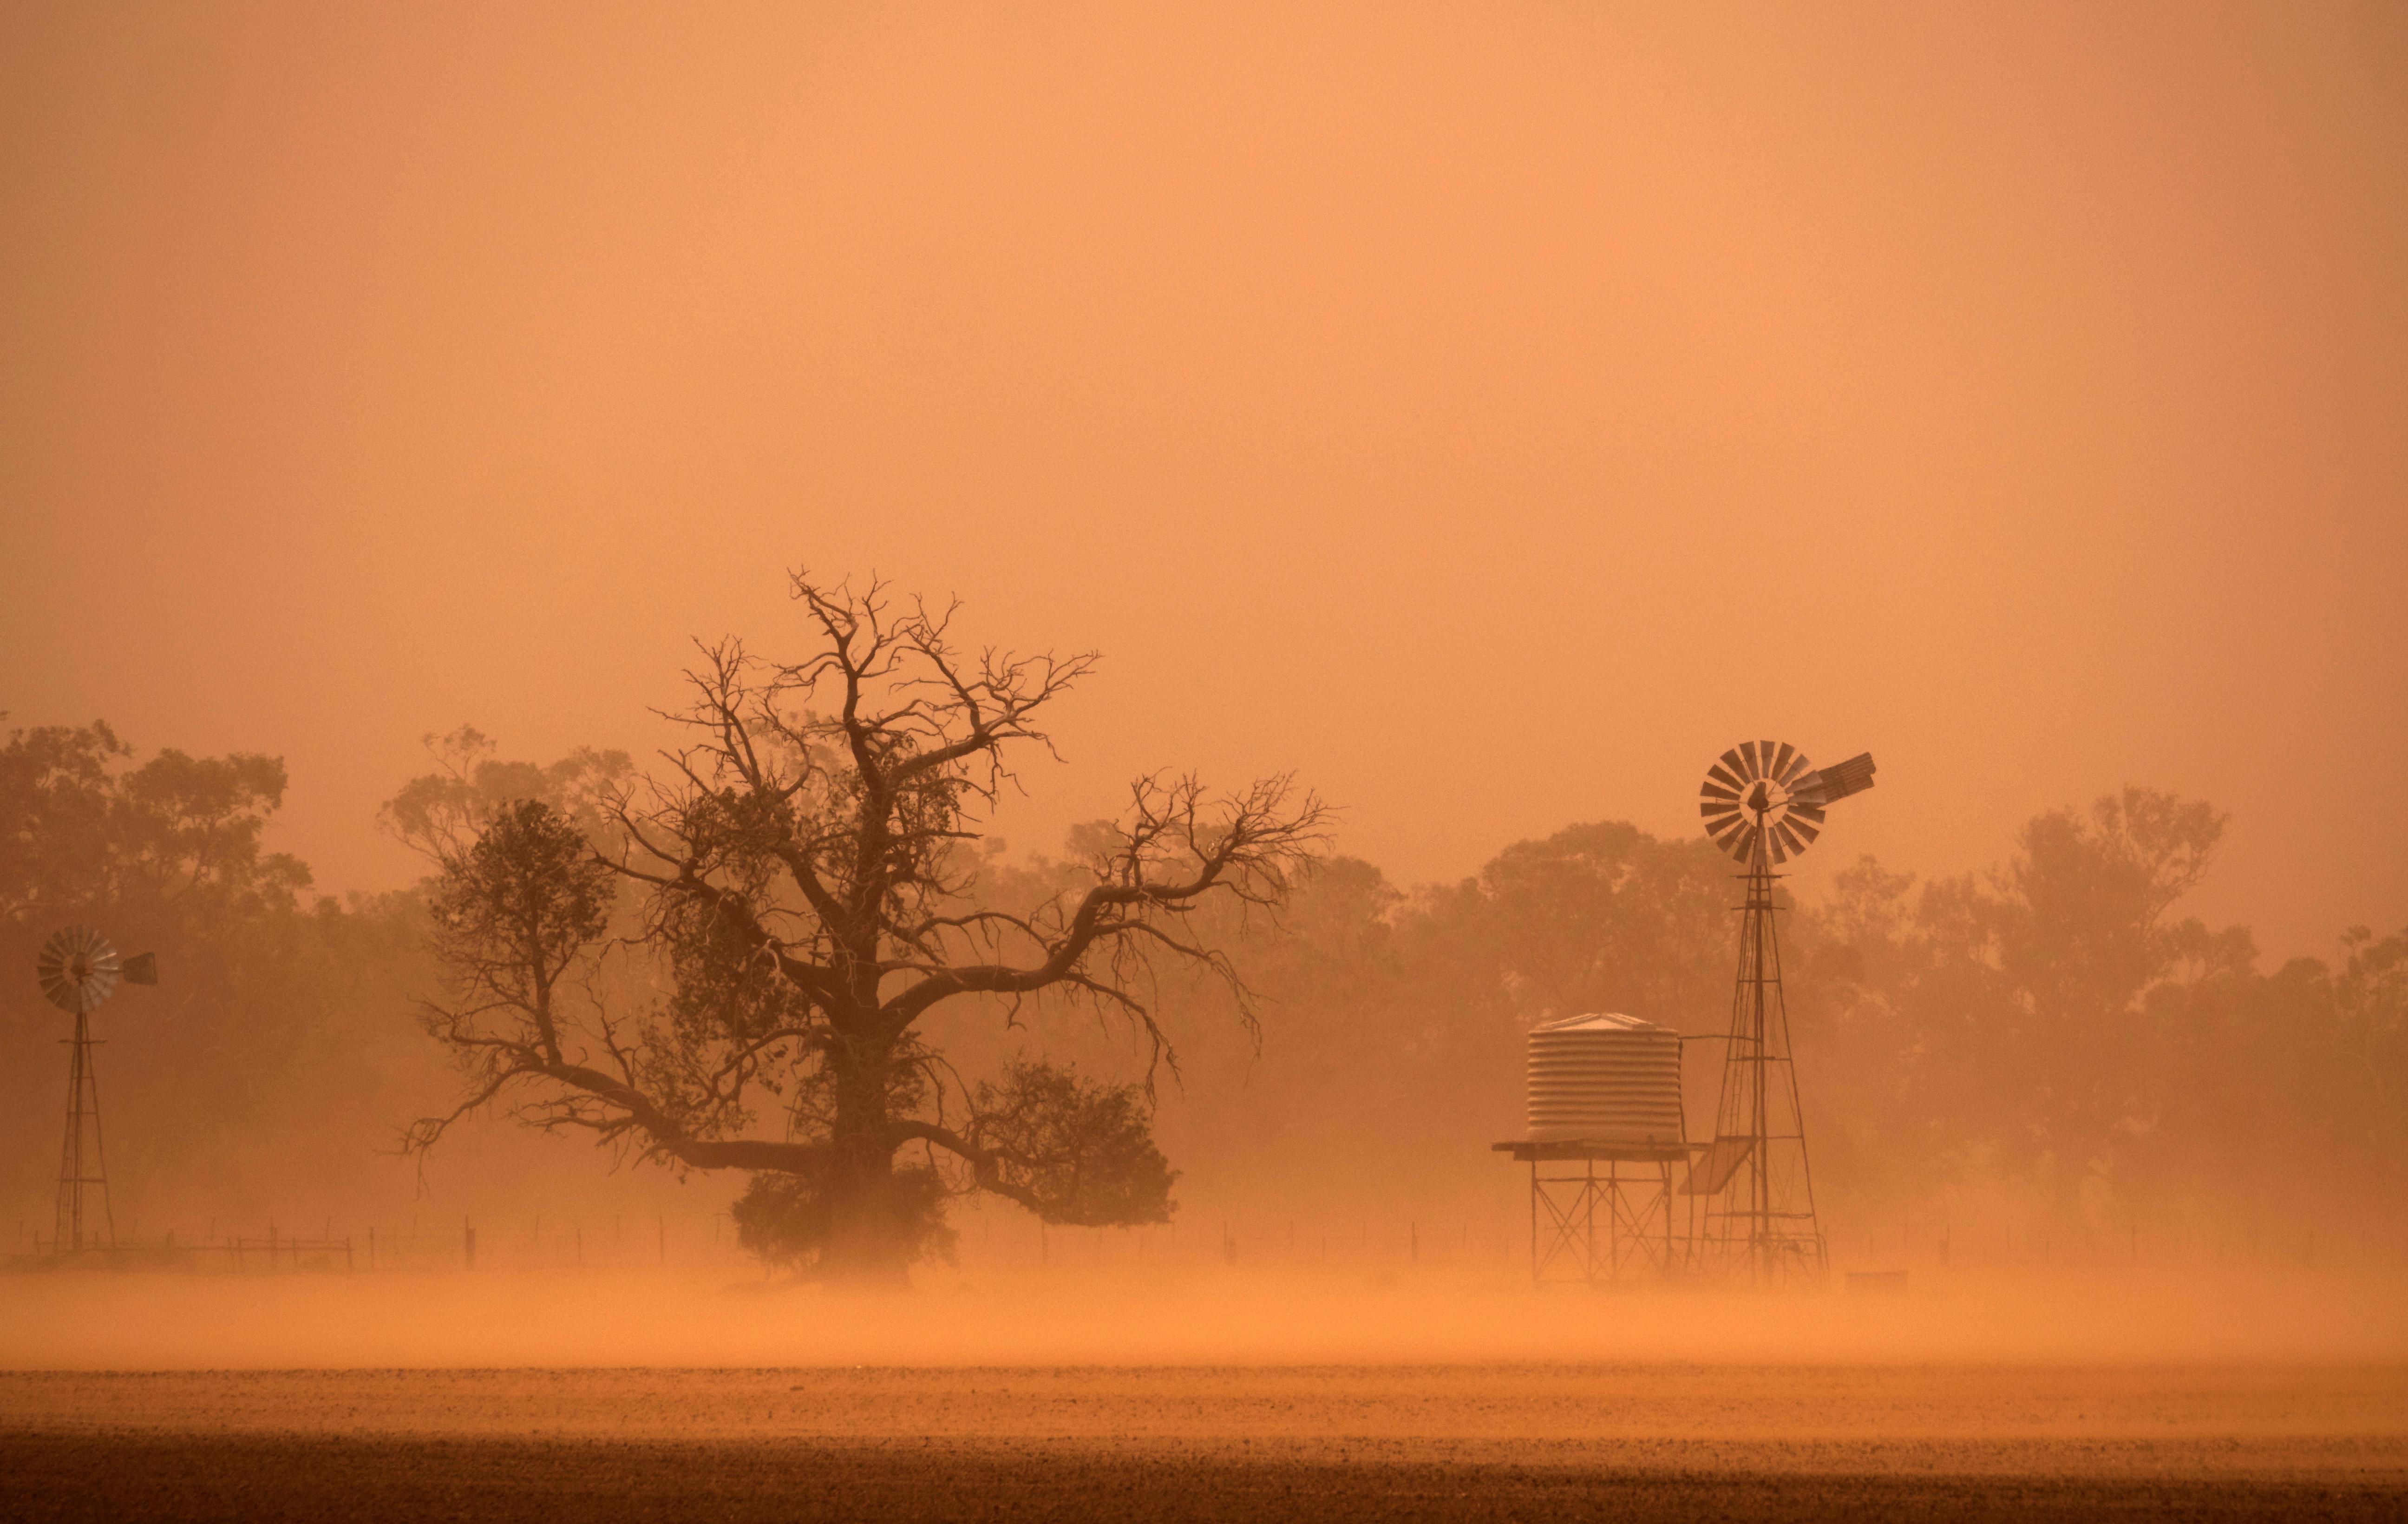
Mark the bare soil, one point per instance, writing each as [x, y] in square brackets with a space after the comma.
[252, 1477]
[1679, 1442]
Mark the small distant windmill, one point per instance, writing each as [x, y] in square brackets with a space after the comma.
[1763, 804]
[79, 969]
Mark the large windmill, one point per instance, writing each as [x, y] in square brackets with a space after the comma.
[1763, 803]
[79, 969]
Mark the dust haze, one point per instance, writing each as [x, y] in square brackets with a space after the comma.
[1097, 1306]
[1392, 392]
[1213, 550]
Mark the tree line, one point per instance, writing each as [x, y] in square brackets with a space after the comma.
[795, 951]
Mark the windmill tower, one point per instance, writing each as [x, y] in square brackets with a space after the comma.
[79, 969]
[1763, 804]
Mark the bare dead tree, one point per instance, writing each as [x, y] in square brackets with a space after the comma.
[800, 873]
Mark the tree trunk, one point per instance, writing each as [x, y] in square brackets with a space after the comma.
[866, 1242]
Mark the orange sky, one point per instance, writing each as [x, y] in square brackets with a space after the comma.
[1489, 412]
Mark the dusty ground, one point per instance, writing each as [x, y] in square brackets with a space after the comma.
[1441, 1442]
[628, 1397]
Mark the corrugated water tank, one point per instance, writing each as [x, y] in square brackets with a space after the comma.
[1605, 1079]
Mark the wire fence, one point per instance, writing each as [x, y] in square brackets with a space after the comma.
[991, 1238]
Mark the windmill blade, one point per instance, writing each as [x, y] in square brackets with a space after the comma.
[1765, 797]
[78, 969]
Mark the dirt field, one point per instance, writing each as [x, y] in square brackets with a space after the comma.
[1437, 1443]
[625, 1397]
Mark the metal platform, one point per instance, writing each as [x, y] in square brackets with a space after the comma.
[1533, 1150]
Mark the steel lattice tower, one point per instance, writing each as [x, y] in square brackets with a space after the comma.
[1765, 1220]
[83, 1172]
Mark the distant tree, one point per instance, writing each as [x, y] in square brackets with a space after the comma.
[2082, 934]
[177, 835]
[439, 814]
[2017, 1018]
[2372, 1002]
[1597, 917]
[247, 1070]
[2082, 925]
[1603, 917]
[804, 880]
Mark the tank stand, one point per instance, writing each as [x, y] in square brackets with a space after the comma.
[1601, 1213]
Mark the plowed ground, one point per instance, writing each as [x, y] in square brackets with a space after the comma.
[1441, 1443]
